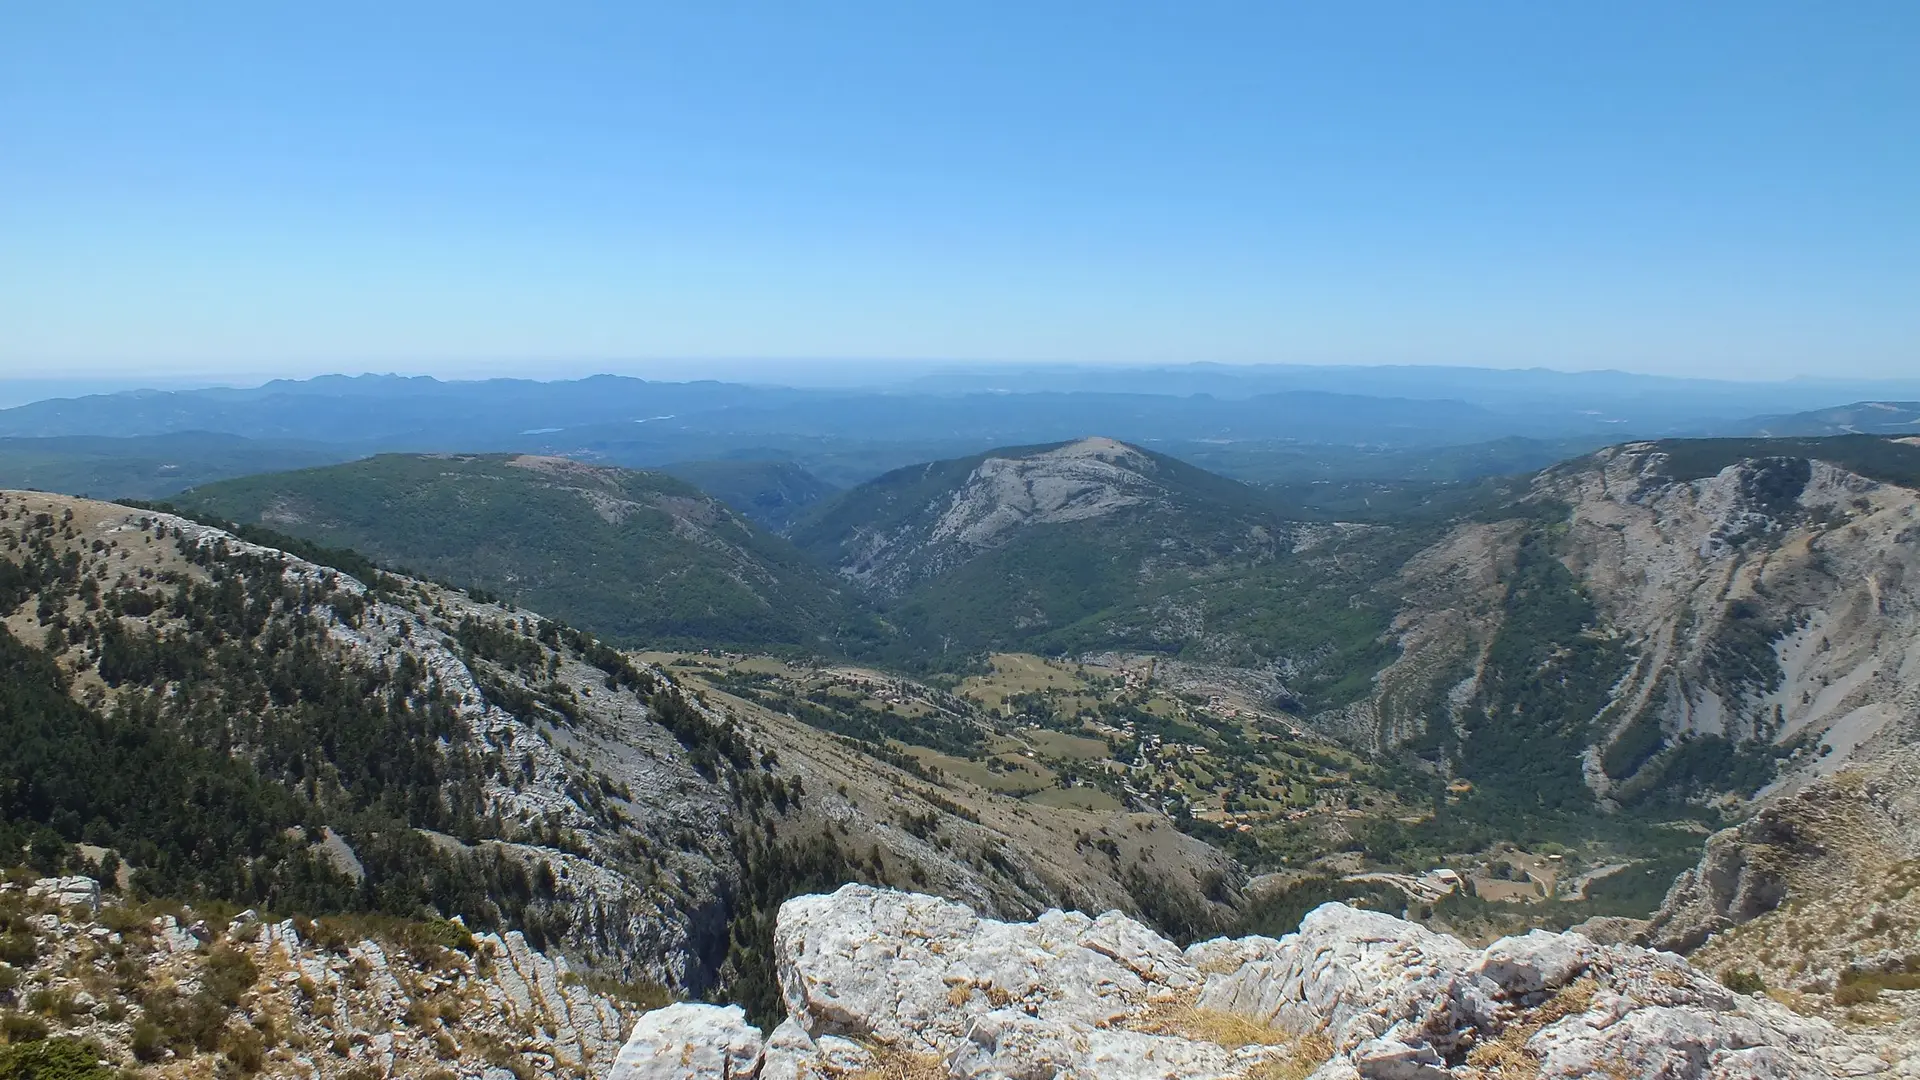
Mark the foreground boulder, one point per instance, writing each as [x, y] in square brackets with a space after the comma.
[881, 983]
[690, 1040]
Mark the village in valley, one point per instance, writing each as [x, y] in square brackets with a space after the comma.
[1129, 734]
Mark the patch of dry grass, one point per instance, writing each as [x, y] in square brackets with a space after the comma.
[1189, 1021]
[1309, 1052]
[890, 1064]
[1186, 1020]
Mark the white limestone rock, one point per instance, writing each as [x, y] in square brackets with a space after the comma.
[915, 971]
[1067, 997]
[1008, 1044]
[689, 1041]
[1353, 975]
[792, 1054]
[67, 892]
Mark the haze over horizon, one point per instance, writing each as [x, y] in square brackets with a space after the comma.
[234, 192]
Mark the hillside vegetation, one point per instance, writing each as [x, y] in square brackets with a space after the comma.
[771, 494]
[635, 556]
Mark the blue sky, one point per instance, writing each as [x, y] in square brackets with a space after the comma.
[1716, 188]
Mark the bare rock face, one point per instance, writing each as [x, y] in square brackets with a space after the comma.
[1085, 479]
[1741, 876]
[887, 983]
[1821, 557]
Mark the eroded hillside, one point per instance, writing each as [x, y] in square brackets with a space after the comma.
[1665, 627]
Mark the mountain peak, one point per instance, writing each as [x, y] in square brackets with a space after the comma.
[1097, 446]
[1087, 478]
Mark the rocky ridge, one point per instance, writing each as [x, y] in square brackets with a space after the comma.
[879, 983]
[916, 524]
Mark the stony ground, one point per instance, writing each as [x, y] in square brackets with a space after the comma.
[180, 993]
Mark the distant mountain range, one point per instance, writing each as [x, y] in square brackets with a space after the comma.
[1256, 423]
[1861, 417]
[1273, 424]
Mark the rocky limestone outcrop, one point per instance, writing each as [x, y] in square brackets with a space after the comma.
[689, 1039]
[880, 983]
[302, 1000]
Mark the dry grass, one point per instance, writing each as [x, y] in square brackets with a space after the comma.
[1305, 1053]
[1207, 1025]
[1507, 1056]
[889, 1064]
[1309, 1052]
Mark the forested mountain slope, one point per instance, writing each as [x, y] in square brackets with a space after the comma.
[225, 721]
[771, 494]
[638, 557]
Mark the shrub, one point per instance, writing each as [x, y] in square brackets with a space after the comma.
[19, 948]
[148, 1042]
[21, 1028]
[54, 1059]
[1855, 993]
[245, 1046]
[229, 974]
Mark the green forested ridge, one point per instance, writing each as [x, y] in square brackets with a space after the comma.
[636, 557]
[1875, 457]
[233, 734]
